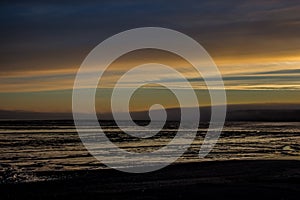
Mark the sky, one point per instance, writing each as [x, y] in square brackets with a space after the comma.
[255, 44]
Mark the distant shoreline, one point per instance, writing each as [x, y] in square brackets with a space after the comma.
[238, 112]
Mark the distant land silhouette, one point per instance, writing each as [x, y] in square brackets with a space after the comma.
[244, 112]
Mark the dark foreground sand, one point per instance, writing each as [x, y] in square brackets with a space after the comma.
[210, 180]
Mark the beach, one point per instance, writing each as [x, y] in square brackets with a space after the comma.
[46, 160]
[243, 179]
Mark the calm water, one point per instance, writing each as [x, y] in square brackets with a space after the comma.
[30, 147]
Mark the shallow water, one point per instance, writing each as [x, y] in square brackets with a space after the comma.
[28, 147]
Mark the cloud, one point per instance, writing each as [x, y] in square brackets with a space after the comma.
[283, 71]
[59, 35]
[43, 44]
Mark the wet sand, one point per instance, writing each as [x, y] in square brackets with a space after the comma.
[259, 179]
